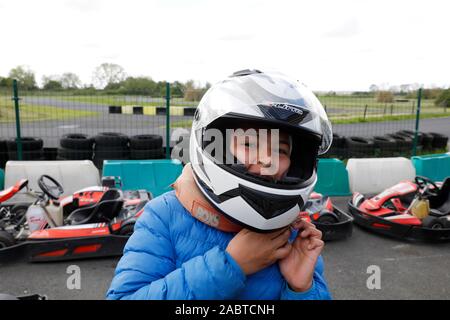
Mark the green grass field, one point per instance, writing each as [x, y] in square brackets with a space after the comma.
[38, 113]
[341, 109]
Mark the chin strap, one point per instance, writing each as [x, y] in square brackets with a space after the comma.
[192, 199]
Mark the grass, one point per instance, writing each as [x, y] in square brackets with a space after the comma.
[120, 100]
[40, 113]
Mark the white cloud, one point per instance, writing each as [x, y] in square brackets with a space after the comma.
[329, 45]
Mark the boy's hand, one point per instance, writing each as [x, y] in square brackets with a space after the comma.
[298, 267]
[254, 251]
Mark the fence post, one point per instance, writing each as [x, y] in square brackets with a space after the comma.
[365, 111]
[16, 107]
[167, 120]
[419, 99]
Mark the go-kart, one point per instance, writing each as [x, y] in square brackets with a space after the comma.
[334, 223]
[93, 222]
[418, 210]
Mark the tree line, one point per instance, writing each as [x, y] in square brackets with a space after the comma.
[107, 78]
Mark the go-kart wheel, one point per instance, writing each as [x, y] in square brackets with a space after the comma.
[327, 219]
[18, 211]
[6, 239]
[50, 187]
[433, 223]
[127, 230]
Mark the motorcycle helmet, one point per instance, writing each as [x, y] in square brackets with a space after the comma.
[252, 98]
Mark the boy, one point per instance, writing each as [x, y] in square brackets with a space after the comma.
[228, 231]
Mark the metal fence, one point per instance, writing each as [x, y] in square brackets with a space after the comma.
[32, 124]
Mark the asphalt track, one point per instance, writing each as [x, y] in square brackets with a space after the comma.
[52, 130]
[407, 271]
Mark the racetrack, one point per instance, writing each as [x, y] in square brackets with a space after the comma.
[408, 271]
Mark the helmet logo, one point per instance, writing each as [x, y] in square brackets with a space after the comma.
[288, 107]
[284, 112]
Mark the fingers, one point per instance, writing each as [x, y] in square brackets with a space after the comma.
[283, 252]
[311, 232]
[315, 243]
[281, 239]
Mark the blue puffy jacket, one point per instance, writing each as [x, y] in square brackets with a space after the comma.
[172, 255]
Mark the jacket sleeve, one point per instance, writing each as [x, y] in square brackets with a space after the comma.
[318, 290]
[147, 270]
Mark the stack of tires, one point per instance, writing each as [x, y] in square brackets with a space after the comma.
[75, 146]
[338, 148]
[146, 146]
[3, 153]
[32, 148]
[439, 140]
[385, 146]
[110, 146]
[359, 147]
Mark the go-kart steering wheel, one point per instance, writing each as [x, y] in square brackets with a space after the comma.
[425, 183]
[50, 187]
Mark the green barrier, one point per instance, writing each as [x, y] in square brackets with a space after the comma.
[433, 166]
[2, 179]
[155, 176]
[332, 178]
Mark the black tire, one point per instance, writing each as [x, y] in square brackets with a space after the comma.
[433, 223]
[146, 142]
[76, 141]
[146, 154]
[360, 147]
[19, 210]
[385, 146]
[338, 141]
[111, 140]
[404, 143]
[3, 153]
[427, 141]
[27, 155]
[111, 153]
[439, 140]
[327, 219]
[28, 144]
[127, 230]
[72, 154]
[6, 239]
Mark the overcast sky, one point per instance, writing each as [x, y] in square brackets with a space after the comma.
[328, 45]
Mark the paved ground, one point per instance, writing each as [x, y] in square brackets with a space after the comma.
[408, 271]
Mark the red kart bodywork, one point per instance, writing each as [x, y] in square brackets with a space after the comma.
[387, 213]
[319, 206]
[80, 241]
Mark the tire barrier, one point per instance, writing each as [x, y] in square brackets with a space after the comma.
[332, 178]
[152, 110]
[155, 176]
[146, 146]
[73, 175]
[371, 176]
[110, 146]
[75, 146]
[436, 166]
[3, 153]
[32, 148]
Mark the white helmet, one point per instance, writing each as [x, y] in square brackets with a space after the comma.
[256, 99]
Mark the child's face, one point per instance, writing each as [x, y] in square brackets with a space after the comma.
[255, 151]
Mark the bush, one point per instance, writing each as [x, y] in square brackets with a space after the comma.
[444, 99]
[385, 96]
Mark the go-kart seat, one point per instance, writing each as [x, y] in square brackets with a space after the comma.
[105, 210]
[440, 204]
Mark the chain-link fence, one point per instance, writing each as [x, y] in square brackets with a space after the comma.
[70, 125]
